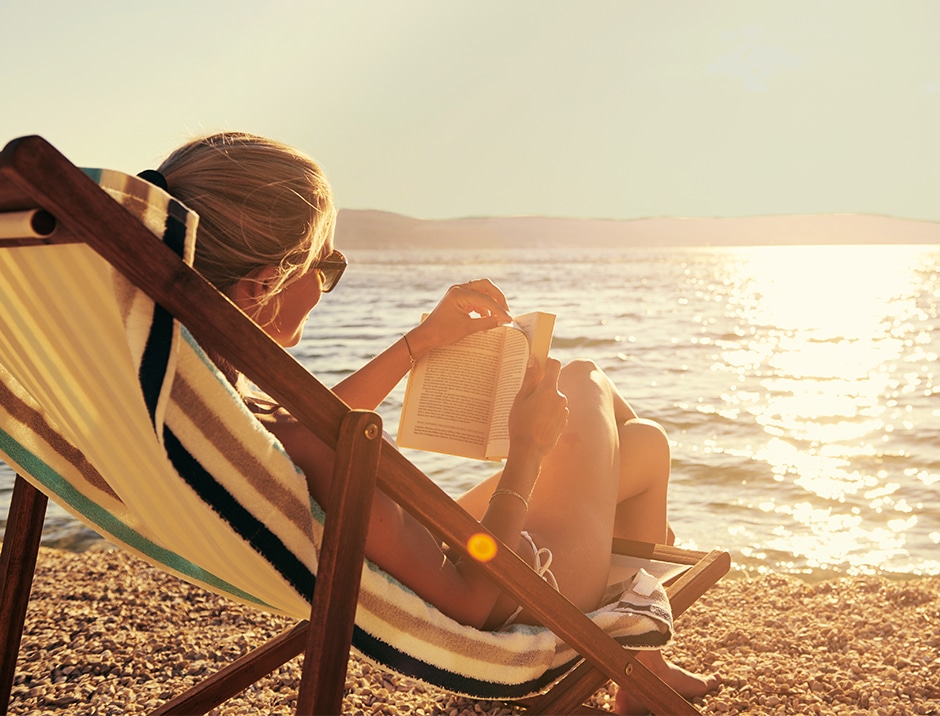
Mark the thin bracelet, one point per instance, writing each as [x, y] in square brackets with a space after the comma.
[513, 493]
[411, 356]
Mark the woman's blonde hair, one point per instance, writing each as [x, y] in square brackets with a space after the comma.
[260, 203]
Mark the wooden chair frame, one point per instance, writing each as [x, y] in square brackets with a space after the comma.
[33, 175]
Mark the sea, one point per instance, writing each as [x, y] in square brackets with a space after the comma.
[799, 385]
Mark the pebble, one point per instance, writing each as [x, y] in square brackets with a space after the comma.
[112, 635]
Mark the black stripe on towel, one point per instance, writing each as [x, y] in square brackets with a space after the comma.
[152, 373]
[157, 351]
[246, 525]
[384, 653]
[174, 234]
[153, 363]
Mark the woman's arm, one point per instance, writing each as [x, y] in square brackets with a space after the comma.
[464, 309]
[405, 548]
[460, 589]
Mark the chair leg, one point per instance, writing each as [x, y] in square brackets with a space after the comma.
[239, 675]
[17, 564]
[333, 611]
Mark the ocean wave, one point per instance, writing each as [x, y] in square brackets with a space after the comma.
[563, 343]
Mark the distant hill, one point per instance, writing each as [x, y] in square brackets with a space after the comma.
[358, 229]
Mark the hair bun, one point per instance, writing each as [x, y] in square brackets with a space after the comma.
[155, 178]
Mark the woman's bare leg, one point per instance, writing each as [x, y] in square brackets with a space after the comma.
[643, 456]
[607, 476]
[644, 476]
[644, 482]
[574, 503]
[641, 514]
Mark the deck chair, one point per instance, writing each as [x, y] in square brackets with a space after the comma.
[109, 405]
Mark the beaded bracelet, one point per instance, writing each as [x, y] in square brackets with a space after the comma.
[513, 493]
[411, 356]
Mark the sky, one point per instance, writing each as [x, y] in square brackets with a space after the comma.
[612, 109]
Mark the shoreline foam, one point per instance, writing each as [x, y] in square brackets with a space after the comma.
[108, 634]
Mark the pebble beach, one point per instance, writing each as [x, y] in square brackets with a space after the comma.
[107, 634]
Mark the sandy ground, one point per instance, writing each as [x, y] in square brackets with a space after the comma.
[107, 634]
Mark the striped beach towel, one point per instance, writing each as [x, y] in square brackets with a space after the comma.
[109, 406]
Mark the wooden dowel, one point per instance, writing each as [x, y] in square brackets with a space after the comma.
[30, 224]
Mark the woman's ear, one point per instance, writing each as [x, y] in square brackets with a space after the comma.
[248, 292]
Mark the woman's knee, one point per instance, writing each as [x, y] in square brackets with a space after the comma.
[590, 415]
[645, 459]
[580, 373]
[646, 441]
[649, 428]
[586, 387]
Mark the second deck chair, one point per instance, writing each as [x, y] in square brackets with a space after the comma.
[109, 405]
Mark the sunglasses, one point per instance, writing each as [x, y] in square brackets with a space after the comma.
[331, 270]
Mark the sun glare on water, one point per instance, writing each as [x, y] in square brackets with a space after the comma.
[833, 363]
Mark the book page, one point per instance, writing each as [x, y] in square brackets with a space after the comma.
[512, 371]
[448, 399]
[458, 398]
[538, 327]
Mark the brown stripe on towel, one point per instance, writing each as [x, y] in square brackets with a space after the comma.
[136, 195]
[446, 639]
[256, 473]
[35, 422]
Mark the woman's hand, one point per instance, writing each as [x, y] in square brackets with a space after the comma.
[466, 308]
[540, 412]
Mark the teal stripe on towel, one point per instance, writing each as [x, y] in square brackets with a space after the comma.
[109, 524]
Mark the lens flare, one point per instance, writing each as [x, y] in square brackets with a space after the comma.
[482, 547]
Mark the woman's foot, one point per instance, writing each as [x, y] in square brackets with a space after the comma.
[685, 683]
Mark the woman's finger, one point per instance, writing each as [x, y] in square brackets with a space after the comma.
[552, 372]
[486, 286]
[532, 377]
[470, 300]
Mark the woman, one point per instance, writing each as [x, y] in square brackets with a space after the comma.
[582, 467]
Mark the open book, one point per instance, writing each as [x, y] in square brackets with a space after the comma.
[458, 397]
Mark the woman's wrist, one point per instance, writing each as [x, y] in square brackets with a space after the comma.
[412, 358]
[418, 341]
[507, 492]
[520, 471]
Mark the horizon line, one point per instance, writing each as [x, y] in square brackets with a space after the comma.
[483, 217]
